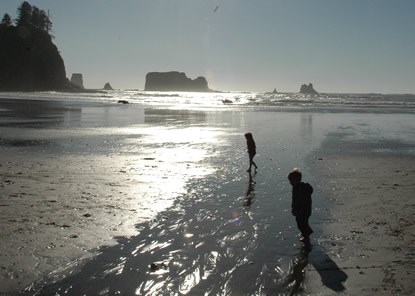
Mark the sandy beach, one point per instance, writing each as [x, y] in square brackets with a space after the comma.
[370, 233]
[93, 194]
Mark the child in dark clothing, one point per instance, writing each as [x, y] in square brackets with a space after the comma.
[301, 204]
[251, 150]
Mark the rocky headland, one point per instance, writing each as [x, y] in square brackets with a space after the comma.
[174, 81]
[30, 61]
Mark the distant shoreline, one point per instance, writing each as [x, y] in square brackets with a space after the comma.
[97, 90]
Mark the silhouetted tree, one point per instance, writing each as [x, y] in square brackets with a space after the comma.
[24, 14]
[36, 20]
[29, 15]
[6, 21]
[40, 20]
[47, 24]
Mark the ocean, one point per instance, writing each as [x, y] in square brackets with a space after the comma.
[236, 100]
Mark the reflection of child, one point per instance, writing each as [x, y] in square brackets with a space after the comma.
[250, 192]
[301, 203]
[251, 150]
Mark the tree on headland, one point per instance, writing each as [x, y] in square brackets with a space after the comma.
[40, 20]
[6, 21]
[24, 14]
[32, 16]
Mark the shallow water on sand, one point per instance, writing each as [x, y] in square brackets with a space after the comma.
[218, 228]
[208, 226]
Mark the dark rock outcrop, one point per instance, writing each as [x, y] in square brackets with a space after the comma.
[29, 61]
[308, 89]
[174, 81]
[78, 80]
[274, 92]
[108, 86]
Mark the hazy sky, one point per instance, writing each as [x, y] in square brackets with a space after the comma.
[248, 45]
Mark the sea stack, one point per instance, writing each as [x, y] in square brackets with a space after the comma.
[174, 81]
[108, 86]
[77, 79]
[308, 89]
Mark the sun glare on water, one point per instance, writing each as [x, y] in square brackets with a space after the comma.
[176, 156]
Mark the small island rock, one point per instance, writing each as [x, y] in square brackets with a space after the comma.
[77, 79]
[308, 89]
[174, 81]
[108, 86]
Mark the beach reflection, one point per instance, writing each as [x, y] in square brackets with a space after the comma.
[297, 272]
[170, 158]
[37, 113]
[202, 224]
[203, 240]
[176, 117]
[306, 128]
[171, 186]
[250, 191]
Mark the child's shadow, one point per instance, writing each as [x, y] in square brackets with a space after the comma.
[331, 275]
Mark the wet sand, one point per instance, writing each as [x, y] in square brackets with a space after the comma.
[93, 194]
[76, 175]
[370, 229]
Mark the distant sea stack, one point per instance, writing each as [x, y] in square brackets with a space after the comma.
[174, 81]
[77, 79]
[108, 86]
[308, 89]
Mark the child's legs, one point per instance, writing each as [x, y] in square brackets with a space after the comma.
[251, 160]
[303, 226]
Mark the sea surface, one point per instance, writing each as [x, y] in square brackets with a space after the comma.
[179, 161]
[280, 101]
